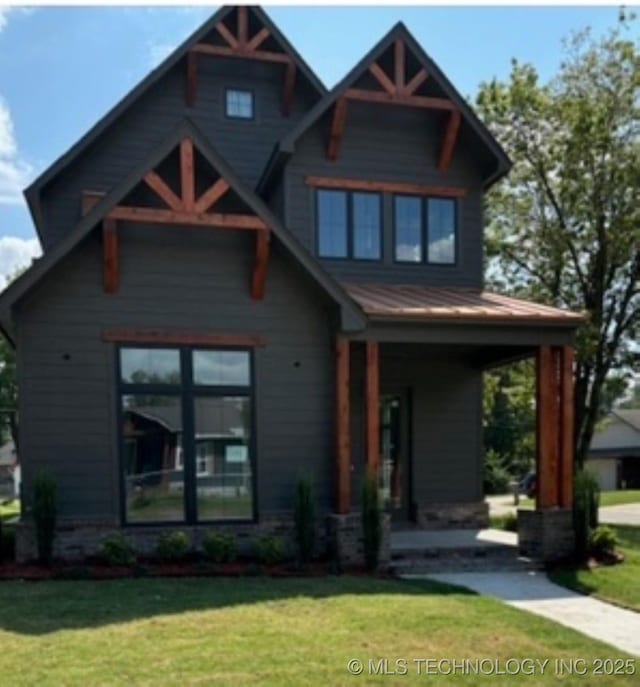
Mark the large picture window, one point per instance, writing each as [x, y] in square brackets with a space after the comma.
[186, 435]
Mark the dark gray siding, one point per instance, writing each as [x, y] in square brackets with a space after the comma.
[390, 144]
[171, 278]
[246, 145]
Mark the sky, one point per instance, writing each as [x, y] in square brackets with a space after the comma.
[61, 69]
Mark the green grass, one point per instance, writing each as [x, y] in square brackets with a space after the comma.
[9, 509]
[260, 631]
[607, 498]
[620, 583]
[160, 506]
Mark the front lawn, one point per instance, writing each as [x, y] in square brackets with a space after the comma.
[607, 498]
[616, 583]
[9, 509]
[261, 631]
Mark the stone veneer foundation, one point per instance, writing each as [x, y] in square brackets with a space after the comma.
[442, 516]
[546, 535]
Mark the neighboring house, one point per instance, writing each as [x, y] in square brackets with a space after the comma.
[9, 471]
[614, 454]
[279, 266]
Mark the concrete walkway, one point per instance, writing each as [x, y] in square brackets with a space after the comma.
[628, 514]
[533, 592]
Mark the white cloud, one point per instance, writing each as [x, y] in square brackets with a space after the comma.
[16, 254]
[14, 170]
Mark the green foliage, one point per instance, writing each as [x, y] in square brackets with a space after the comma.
[173, 546]
[564, 226]
[44, 514]
[496, 474]
[220, 547]
[117, 551]
[270, 550]
[8, 393]
[304, 518]
[603, 542]
[586, 500]
[371, 522]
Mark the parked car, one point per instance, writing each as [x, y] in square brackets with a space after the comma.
[527, 485]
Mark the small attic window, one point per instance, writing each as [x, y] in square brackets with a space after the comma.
[239, 104]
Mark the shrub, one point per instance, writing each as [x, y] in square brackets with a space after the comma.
[507, 522]
[371, 522]
[44, 515]
[304, 517]
[603, 542]
[270, 550]
[496, 476]
[116, 550]
[586, 498]
[173, 546]
[220, 547]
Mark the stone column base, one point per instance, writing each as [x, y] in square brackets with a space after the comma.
[442, 516]
[546, 535]
[345, 541]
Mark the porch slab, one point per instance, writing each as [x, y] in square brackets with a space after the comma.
[421, 540]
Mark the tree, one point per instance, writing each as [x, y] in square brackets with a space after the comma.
[564, 227]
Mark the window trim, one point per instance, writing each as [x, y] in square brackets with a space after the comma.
[350, 226]
[424, 217]
[186, 392]
[237, 118]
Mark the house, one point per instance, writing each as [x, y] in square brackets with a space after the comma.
[9, 471]
[234, 241]
[614, 453]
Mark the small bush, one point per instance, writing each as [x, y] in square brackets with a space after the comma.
[116, 550]
[220, 547]
[371, 522]
[586, 499]
[173, 546]
[44, 515]
[270, 550]
[507, 522]
[304, 518]
[603, 542]
[496, 476]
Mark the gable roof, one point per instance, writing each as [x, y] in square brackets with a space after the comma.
[286, 146]
[32, 193]
[353, 317]
[630, 417]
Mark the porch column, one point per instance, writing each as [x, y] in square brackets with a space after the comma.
[554, 449]
[343, 428]
[372, 407]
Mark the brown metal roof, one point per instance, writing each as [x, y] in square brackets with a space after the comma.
[431, 303]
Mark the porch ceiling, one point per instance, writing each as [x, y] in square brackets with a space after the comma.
[414, 302]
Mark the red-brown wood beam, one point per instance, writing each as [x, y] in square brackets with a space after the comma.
[385, 186]
[406, 100]
[449, 142]
[157, 184]
[243, 26]
[343, 428]
[398, 63]
[89, 200]
[211, 196]
[217, 220]
[223, 51]
[567, 426]
[288, 89]
[337, 128]
[259, 276]
[192, 79]
[547, 427]
[372, 407]
[227, 35]
[382, 78]
[258, 39]
[110, 255]
[187, 174]
[415, 82]
[161, 336]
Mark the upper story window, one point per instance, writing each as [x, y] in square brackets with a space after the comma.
[349, 225]
[425, 230]
[239, 104]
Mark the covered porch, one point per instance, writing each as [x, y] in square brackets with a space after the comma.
[409, 408]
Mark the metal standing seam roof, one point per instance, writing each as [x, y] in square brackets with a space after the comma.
[431, 303]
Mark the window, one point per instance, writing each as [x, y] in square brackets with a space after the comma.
[425, 221]
[349, 225]
[186, 435]
[239, 104]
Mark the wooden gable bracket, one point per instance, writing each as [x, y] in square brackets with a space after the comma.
[245, 47]
[184, 209]
[449, 142]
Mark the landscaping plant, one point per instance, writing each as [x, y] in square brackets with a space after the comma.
[173, 546]
[270, 550]
[586, 500]
[116, 550]
[304, 517]
[371, 522]
[603, 543]
[220, 547]
[44, 515]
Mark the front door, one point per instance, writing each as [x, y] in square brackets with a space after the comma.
[394, 455]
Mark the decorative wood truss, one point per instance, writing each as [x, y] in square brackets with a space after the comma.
[396, 91]
[184, 208]
[241, 45]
